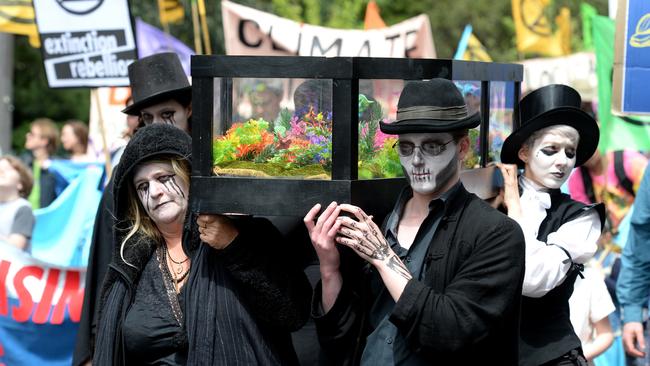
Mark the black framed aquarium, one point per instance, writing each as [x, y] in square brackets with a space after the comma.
[275, 135]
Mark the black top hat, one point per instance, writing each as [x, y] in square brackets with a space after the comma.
[154, 79]
[548, 106]
[431, 106]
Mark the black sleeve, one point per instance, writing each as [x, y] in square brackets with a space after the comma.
[273, 282]
[101, 251]
[483, 290]
[341, 330]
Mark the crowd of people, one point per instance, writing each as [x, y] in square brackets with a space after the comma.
[447, 278]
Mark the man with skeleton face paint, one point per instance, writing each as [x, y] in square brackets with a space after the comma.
[561, 234]
[442, 278]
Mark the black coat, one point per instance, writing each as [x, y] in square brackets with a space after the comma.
[276, 291]
[466, 309]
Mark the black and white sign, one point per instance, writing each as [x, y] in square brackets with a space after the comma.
[86, 43]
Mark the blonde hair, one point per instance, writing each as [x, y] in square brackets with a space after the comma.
[560, 130]
[138, 219]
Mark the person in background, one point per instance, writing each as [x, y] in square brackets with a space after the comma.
[41, 141]
[161, 93]
[132, 121]
[561, 234]
[613, 179]
[590, 306]
[633, 285]
[74, 138]
[17, 220]
[441, 281]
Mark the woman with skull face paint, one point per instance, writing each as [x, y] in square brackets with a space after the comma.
[442, 278]
[185, 290]
[161, 94]
[561, 234]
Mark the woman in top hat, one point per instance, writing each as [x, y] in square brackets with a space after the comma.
[555, 136]
[185, 290]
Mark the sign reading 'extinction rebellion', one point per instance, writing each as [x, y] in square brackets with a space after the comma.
[85, 43]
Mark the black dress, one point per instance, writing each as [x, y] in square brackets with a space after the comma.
[152, 334]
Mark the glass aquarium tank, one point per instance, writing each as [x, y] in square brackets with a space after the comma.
[275, 135]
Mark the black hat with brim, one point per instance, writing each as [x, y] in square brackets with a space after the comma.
[552, 105]
[155, 79]
[431, 107]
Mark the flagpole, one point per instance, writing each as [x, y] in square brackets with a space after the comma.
[6, 89]
[102, 131]
[204, 28]
[197, 35]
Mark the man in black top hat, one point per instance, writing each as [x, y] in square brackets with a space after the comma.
[441, 281]
[161, 94]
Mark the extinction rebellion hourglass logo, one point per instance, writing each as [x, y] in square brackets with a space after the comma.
[534, 18]
[80, 7]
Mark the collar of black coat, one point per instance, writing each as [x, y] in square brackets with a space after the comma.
[452, 199]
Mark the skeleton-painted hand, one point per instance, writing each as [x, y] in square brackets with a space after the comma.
[365, 238]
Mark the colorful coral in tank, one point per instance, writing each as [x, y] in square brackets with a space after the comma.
[302, 146]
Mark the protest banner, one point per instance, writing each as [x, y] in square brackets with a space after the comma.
[632, 58]
[107, 103]
[63, 229]
[577, 70]
[248, 31]
[85, 43]
[40, 308]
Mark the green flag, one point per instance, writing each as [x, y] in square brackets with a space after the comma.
[587, 13]
[616, 133]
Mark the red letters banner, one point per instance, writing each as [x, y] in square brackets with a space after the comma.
[40, 308]
[248, 31]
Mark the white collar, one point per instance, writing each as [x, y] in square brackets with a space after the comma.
[535, 192]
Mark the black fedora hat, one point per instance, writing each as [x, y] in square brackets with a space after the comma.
[549, 106]
[154, 79]
[431, 106]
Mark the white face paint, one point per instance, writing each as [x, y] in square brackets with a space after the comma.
[170, 112]
[162, 193]
[429, 174]
[550, 160]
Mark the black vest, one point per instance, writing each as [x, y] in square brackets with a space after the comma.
[546, 330]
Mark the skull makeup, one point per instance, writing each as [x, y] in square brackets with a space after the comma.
[163, 195]
[550, 159]
[429, 160]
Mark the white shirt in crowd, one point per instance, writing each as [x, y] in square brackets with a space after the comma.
[589, 303]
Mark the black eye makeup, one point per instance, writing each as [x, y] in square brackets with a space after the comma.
[549, 151]
[142, 187]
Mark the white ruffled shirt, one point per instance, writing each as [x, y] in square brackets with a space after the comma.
[545, 267]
